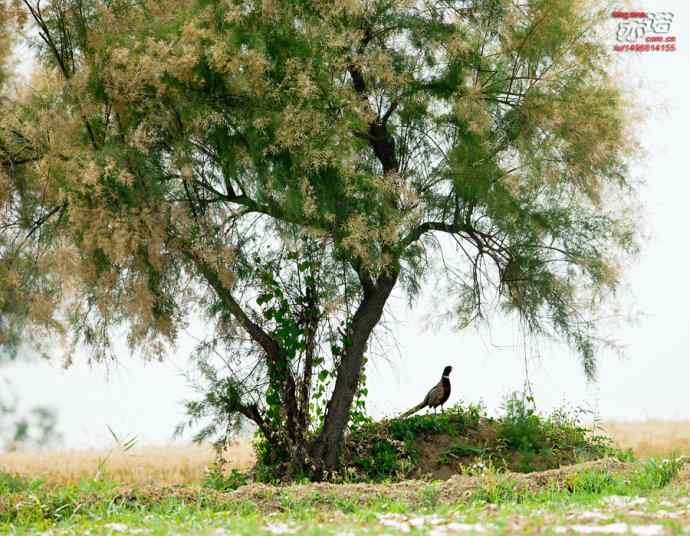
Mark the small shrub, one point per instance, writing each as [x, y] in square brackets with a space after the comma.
[216, 477]
[625, 456]
[656, 473]
[270, 460]
[521, 428]
[543, 442]
[383, 461]
[377, 457]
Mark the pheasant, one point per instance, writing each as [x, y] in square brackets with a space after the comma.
[437, 395]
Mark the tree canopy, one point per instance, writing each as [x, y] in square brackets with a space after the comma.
[175, 156]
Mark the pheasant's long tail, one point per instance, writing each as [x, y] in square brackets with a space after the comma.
[413, 410]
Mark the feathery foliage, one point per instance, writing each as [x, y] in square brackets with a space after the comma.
[166, 151]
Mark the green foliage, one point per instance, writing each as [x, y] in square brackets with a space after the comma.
[499, 489]
[556, 438]
[641, 478]
[288, 407]
[10, 483]
[383, 460]
[271, 459]
[594, 482]
[219, 479]
[451, 422]
[521, 428]
[283, 315]
[358, 414]
[656, 473]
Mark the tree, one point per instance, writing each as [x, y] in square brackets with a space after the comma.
[175, 155]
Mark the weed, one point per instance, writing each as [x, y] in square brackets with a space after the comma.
[656, 473]
[10, 483]
[593, 482]
[381, 459]
[539, 442]
[218, 478]
[496, 488]
[124, 445]
[644, 477]
[478, 468]
[430, 496]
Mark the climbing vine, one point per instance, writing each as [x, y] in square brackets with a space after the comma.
[291, 299]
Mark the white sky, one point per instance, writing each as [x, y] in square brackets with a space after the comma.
[143, 399]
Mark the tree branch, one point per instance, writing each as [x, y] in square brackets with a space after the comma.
[269, 345]
[428, 226]
[40, 221]
[380, 139]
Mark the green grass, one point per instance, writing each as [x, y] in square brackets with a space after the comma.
[496, 501]
[642, 478]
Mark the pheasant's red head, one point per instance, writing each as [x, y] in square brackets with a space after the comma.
[446, 371]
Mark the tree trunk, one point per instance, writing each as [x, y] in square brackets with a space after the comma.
[326, 448]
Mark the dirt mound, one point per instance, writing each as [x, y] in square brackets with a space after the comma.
[267, 498]
[465, 441]
[440, 455]
[455, 488]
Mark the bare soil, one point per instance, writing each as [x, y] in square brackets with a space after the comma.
[441, 456]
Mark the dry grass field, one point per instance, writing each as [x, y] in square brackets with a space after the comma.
[179, 464]
[185, 464]
[652, 437]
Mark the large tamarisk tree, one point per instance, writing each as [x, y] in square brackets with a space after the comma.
[171, 156]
